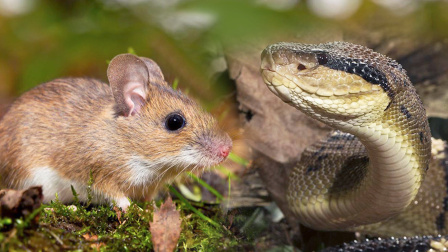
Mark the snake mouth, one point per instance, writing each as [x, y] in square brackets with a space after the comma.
[278, 88]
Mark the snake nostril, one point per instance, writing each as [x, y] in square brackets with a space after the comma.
[301, 67]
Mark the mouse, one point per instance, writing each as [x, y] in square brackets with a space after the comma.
[128, 136]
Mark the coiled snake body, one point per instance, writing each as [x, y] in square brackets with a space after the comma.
[369, 173]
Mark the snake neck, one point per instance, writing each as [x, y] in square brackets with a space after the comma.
[393, 176]
[396, 154]
[399, 144]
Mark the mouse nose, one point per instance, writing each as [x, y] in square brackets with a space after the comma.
[224, 151]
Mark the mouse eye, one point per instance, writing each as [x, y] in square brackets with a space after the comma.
[174, 122]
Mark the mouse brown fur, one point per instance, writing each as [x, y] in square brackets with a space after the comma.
[126, 135]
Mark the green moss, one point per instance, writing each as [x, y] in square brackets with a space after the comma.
[86, 228]
[201, 235]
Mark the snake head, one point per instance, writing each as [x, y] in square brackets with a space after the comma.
[336, 81]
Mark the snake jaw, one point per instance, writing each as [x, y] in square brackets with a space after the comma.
[275, 86]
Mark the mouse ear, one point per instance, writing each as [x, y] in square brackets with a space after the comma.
[155, 73]
[128, 77]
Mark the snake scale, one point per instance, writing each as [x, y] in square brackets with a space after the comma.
[369, 174]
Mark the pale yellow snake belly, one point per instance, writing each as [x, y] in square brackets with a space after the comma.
[371, 169]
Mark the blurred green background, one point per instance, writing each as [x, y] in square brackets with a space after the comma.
[43, 40]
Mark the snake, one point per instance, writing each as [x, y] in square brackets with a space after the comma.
[379, 171]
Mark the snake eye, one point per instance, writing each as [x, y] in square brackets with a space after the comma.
[322, 58]
[174, 122]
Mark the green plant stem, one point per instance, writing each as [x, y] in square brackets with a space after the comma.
[237, 159]
[207, 186]
[192, 208]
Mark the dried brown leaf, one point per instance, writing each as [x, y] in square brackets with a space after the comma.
[90, 237]
[119, 212]
[94, 238]
[165, 227]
